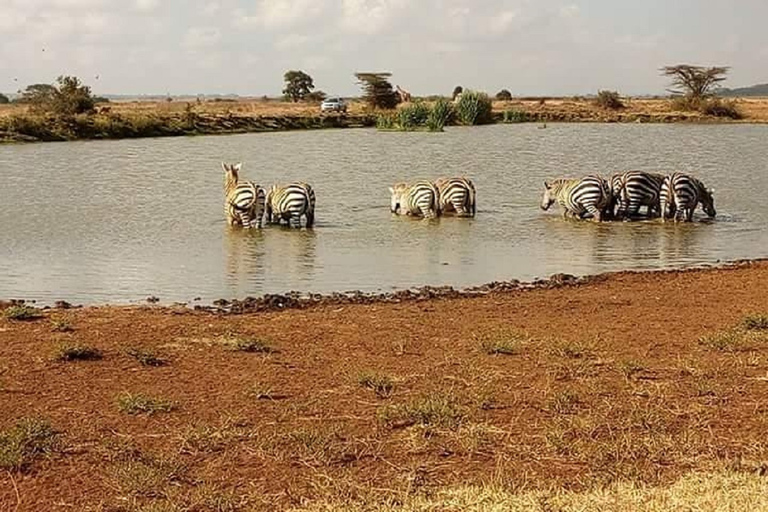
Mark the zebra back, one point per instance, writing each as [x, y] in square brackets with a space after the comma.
[291, 201]
[458, 194]
[419, 198]
[590, 194]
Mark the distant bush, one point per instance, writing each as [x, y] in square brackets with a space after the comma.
[413, 115]
[504, 95]
[68, 98]
[515, 116]
[609, 99]
[316, 96]
[720, 108]
[474, 108]
[4, 100]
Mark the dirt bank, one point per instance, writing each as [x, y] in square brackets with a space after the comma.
[632, 377]
[158, 119]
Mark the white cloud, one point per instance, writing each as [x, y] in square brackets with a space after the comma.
[370, 16]
[502, 21]
[281, 14]
[146, 5]
[201, 37]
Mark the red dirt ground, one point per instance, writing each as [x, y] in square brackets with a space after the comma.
[608, 380]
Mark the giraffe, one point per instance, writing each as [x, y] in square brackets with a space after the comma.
[405, 96]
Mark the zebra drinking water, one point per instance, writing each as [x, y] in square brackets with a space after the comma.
[418, 199]
[457, 195]
[243, 200]
[578, 197]
[290, 202]
[681, 193]
[633, 189]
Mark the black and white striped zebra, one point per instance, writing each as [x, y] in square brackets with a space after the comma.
[633, 189]
[243, 200]
[457, 195]
[290, 202]
[578, 197]
[419, 199]
[680, 195]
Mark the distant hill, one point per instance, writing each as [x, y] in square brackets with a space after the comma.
[755, 90]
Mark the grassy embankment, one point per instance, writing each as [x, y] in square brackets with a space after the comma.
[625, 392]
[151, 119]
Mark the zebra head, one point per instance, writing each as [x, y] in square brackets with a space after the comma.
[549, 196]
[396, 197]
[708, 202]
[232, 171]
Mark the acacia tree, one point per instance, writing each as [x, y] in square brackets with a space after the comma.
[377, 91]
[298, 85]
[694, 82]
[67, 98]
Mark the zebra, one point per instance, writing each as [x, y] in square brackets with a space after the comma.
[290, 202]
[633, 189]
[418, 199]
[457, 195]
[577, 197]
[681, 193]
[243, 200]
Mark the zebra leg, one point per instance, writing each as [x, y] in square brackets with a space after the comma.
[310, 216]
[597, 215]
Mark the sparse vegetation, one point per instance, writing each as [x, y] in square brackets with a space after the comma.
[474, 108]
[22, 313]
[67, 98]
[417, 115]
[381, 384]
[609, 99]
[27, 440]
[502, 342]
[631, 368]
[146, 357]
[435, 410]
[571, 350]
[76, 352]
[515, 116]
[565, 402]
[139, 403]
[61, 326]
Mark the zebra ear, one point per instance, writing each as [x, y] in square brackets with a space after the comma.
[237, 166]
[225, 167]
[546, 185]
[391, 190]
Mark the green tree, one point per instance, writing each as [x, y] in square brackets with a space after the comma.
[504, 95]
[377, 91]
[4, 99]
[298, 85]
[67, 98]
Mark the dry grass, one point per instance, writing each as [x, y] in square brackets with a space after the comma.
[138, 403]
[725, 491]
[436, 409]
[146, 357]
[241, 344]
[381, 384]
[76, 352]
[22, 313]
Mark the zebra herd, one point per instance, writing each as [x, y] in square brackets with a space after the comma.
[674, 196]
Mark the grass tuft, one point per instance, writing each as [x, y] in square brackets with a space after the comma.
[732, 340]
[238, 344]
[138, 403]
[436, 410]
[755, 322]
[22, 313]
[76, 352]
[381, 384]
[146, 357]
[502, 342]
[566, 402]
[27, 440]
[61, 326]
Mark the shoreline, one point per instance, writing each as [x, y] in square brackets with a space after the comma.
[298, 300]
[641, 378]
[125, 120]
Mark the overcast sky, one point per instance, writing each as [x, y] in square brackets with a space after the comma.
[531, 47]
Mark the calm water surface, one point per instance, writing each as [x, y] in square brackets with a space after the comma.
[117, 221]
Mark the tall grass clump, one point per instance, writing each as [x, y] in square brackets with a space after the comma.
[474, 108]
[440, 115]
[515, 116]
[413, 115]
[386, 122]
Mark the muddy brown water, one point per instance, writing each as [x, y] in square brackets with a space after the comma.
[117, 221]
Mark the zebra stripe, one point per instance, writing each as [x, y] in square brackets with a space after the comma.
[457, 195]
[681, 193]
[290, 202]
[243, 200]
[419, 199]
[577, 197]
[633, 189]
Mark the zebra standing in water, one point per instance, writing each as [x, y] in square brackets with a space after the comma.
[243, 200]
[290, 202]
[457, 195]
[578, 197]
[633, 189]
[681, 193]
[419, 199]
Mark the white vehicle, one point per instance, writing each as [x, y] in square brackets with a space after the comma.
[334, 104]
